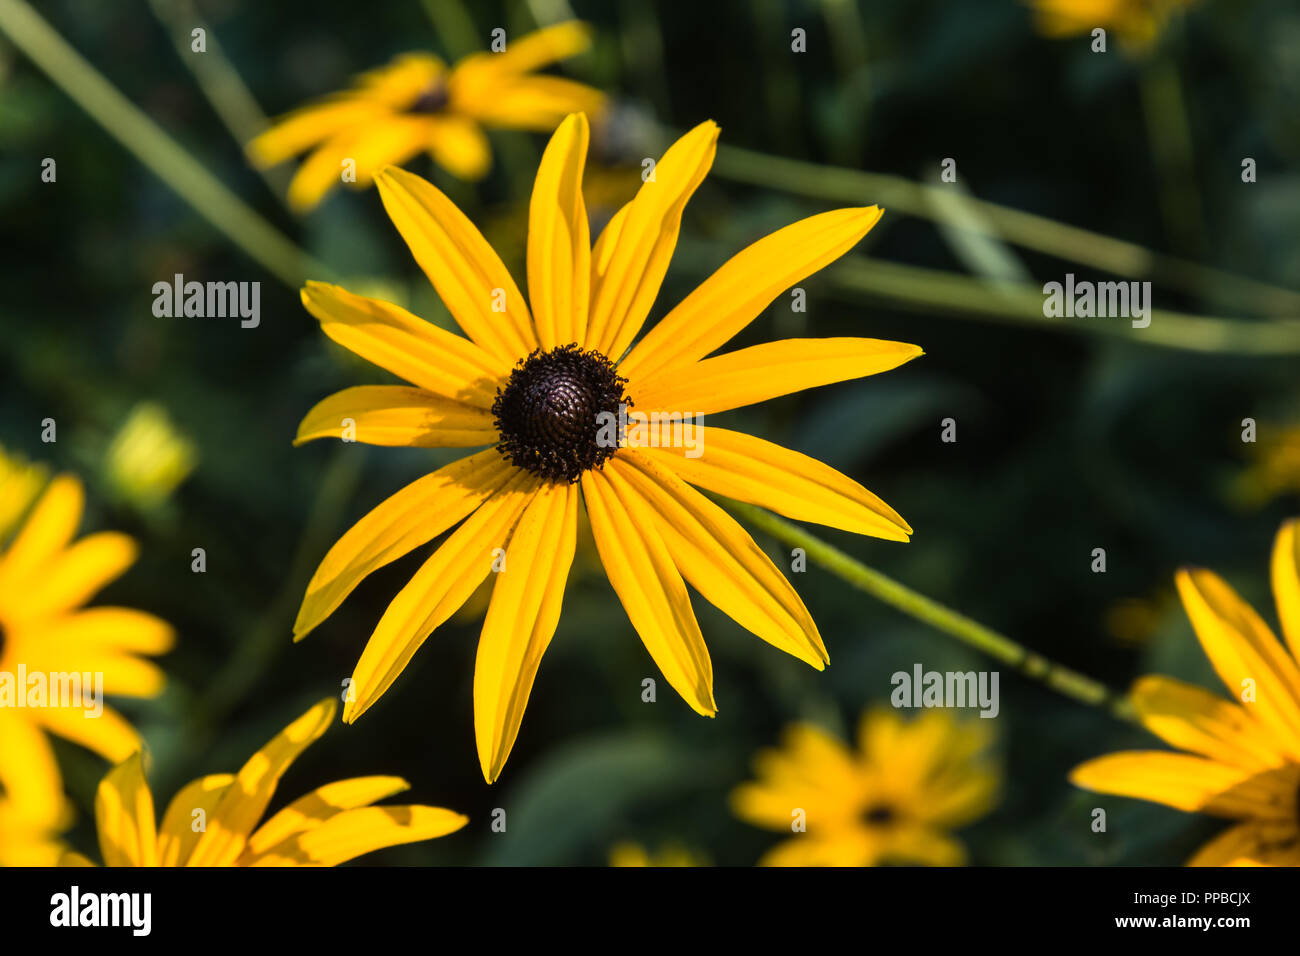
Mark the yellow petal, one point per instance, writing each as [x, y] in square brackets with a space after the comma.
[747, 284]
[391, 141]
[648, 585]
[469, 276]
[1259, 843]
[322, 170]
[246, 799]
[1286, 582]
[1176, 780]
[559, 243]
[304, 128]
[114, 628]
[354, 833]
[47, 532]
[536, 103]
[193, 804]
[458, 145]
[396, 415]
[749, 469]
[409, 347]
[108, 735]
[721, 561]
[1247, 657]
[124, 816]
[438, 589]
[29, 774]
[308, 812]
[760, 372]
[415, 515]
[1190, 718]
[533, 50]
[76, 575]
[623, 291]
[521, 620]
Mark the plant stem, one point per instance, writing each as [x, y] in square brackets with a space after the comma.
[153, 147]
[1001, 648]
[1030, 231]
[931, 289]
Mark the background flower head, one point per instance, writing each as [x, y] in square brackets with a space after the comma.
[417, 104]
[895, 799]
[1241, 757]
[214, 821]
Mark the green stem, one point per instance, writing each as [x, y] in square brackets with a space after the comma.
[1012, 225]
[1001, 648]
[1170, 136]
[935, 290]
[220, 82]
[153, 147]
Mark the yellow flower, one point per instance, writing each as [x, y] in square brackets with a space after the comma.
[416, 103]
[20, 483]
[1137, 22]
[670, 854]
[893, 801]
[331, 825]
[1274, 469]
[535, 379]
[1243, 759]
[29, 835]
[47, 639]
[148, 457]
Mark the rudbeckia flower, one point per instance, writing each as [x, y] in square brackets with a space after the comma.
[29, 834]
[534, 380]
[416, 104]
[1137, 22]
[20, 483]
[669, 855]
[1241, 758]
[47, 638]
[894, 800]
[331, 825]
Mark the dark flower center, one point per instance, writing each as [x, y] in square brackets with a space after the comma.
[2, 640]
[558, 414]
[432, 100]
[879, 815]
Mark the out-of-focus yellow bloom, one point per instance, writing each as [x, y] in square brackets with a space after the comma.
[148, 458]
[670, 854]
[416, 103]
[1136, 22]
[29, 835]
[331, 825]
[1274, 468]
[1134, 621]
[20, 483]
[47, 639]
[894, 800]
[1244, 754]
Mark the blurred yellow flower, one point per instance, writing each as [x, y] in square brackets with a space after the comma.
[894, 800]
[1244, 754]
[58, 659]
[1274, 467]
[331, 825]
[1136, 22]
[670, 854]
[416, 103]
[534, 379]
[148, 457]
[29, 835]
[20, 483]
